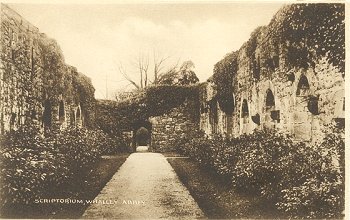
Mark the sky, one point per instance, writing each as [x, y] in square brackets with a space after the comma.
[98, 39]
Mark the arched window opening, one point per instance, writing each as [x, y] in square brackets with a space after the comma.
[61, 112]
[245, 110]
[47, 115]
[276, 61]
[291, 77]
[213, 115]
[78, 117]
[270, 99]
[303, 86]
[72, 118]
[78, 113]
[312, 105]
[272, 115]
[339, 109]
[256, 68]
[305, 105]
[12, 120]
[204, 108]
[33, 115]
[245, 123]
[256, 118]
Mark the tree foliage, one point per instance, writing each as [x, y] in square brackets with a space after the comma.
[185, 75]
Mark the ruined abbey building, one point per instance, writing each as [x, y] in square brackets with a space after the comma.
[288, 76]
[36, 85]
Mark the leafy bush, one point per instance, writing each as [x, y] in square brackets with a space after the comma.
[28, 165]
[31, 164]
[302, 180]
[313, 182]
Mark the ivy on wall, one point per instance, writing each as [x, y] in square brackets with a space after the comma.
[84, 91]
[224, 71]
[309, 31]
[53, 67]
[61, 79]
[114, 116]
[35, 71]
[301, 33]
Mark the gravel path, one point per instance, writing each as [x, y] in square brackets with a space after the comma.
[146, 186]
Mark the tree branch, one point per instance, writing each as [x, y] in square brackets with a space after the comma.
[123, 72]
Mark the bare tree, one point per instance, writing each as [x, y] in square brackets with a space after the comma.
[163, 74]
[142, 64]
[122, 70]
[158, 66]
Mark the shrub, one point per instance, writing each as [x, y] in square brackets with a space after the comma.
[28, 165]
[302, 180]
[258, 168]
[313, 183]
[32, 163]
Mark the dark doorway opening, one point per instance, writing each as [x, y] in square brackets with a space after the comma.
[272, 115]
[61, 112]
[47, 115]
[142, 133]
[142, 137]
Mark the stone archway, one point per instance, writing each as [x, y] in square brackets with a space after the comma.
[142, 133]
[47, 115]
[61, 112]
[142, 137]
[271, 114]
[302, 115]
[244, 115]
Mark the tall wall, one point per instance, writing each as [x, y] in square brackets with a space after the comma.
[171, 126]
[289, 82]
[36, 86]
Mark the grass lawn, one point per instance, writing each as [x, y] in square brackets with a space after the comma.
[85, 186]
[216, 197]
[172, 154]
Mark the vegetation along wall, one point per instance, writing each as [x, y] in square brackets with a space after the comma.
[36, 85]
[289, 75]
[166, 111]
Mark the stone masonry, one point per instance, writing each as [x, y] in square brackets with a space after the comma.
[268, 92]
[168, 127]
[36, 86]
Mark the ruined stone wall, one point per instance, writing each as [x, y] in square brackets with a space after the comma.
[36, 86]
[168, 127]
[206, 95]
[276, 87]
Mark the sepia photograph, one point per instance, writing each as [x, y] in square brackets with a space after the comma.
[172, 109]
